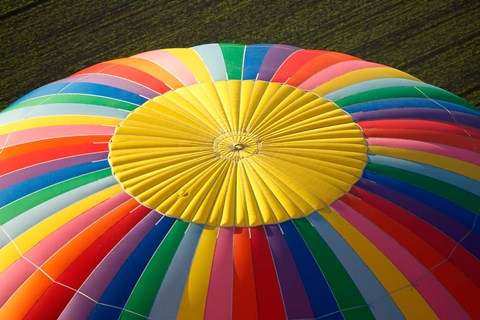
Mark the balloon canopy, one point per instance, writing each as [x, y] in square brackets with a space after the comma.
[230, 181]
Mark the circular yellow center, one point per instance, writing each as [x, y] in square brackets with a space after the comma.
[236, 145]
[237, 153]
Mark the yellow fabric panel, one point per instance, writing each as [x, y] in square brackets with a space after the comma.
[215, 92]
[259, 87]
[237, 153]
[207, 95]
[132, 165]
[200, 205]
[176, 107]
[294, 104]
[245, 199]
[153, 187]
[352, 144]
[277, 99]
[461, 167]
[340, 131]
[325, 170]
[194, 63]
[287, 121]
[196, 289]
[308, 190]
[190, 100]
[282, 190]
[230, 188]
[202, 184]
[359, 76]
[271, 210]
[150, 136]
[250, 203]
[9, 254]
[266, 102]
[235, 89]
[214, 201]
[292, 127]
[340, 166]
[55, 120]
[37, 233]
[225, 103]
[141, 118]
[407, 298]
[243, 107]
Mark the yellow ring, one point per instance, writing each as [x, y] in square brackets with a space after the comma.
[237, 153]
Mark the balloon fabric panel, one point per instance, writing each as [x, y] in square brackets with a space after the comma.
[231, 181]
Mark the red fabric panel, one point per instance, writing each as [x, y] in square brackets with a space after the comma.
[269, 297]
[29, 147]
[315, 65]
[244, 296]
[461, 258]
[26, 160]
[422, 130]
[77, 272]
[461, 286]
[292, 64]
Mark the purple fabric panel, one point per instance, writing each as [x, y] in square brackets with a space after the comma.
[294, 295]
[466, 119]
[98, 281]
[432, 216]
[273, 60]
[46, 167]
[418, 113]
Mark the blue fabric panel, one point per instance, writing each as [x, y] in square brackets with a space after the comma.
[170, 294]
[319, 293]
[212, 56]
[373, 84]
[27, 187]
[446, 176]
[84, 88]
[405, 103]
[378, 299]
[253, 59]
[393, 191]
[119, 290]
[456, 212]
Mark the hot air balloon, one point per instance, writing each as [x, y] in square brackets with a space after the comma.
[229, 181]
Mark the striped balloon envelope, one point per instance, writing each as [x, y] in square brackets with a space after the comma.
[230, 181]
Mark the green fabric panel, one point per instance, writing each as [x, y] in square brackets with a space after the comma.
[16, 208]
[459, 196]
[343, 288]
[76, 98]
[233, 55]
[143, 296]
[402, 92]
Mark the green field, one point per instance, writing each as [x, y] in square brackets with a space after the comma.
[43, 41]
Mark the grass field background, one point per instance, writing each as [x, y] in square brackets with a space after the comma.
[43, 41]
